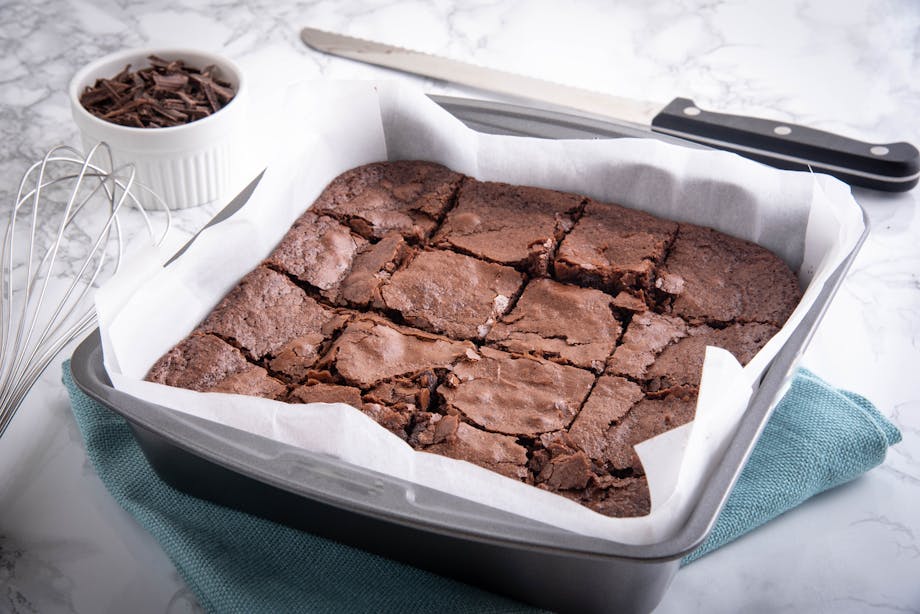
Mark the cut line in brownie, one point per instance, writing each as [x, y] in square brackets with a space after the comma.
[614, 248]
[646, 419]
[516, 226]
[560, 322]
[452, 294]
[408, 197]
[206, 363]
[270, 318]
[318, 251]
[645, 337]
[610, 400]
[334, 262]
[618, 415]
[716, 278]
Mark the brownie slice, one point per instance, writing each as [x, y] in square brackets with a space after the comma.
[646, 336]
[319, 392]
[610, 400]
[646, 419]
[558, 465]
[449, 293]
[408, 197]
[394, 419]
[516, 395]
[716, 278]
[372, 350]
[616, 417]
[680, 364]
[317, 250]
[395, 367]
[614, 248]
[513, 225]
[560, 322]
[268, 317]
[630, 303]
[614, 496]
[207, 364]
[449, 436]
[372, 266]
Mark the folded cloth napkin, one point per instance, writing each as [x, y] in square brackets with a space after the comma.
[817, 438]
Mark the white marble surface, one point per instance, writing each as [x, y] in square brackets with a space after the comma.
[853, 67]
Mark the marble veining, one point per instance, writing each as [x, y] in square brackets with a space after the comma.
[852, 67]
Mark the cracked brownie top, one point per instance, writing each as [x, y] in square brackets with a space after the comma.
[534, 333]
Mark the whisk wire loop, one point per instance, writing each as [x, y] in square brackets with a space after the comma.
[40, 258]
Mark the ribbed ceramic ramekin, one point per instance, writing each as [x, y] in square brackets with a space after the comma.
[188, 165]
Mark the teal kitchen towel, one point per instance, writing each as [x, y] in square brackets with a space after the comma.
[817, 438]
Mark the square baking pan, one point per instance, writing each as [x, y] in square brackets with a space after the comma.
[542, 565]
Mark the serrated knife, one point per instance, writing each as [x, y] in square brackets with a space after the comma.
[892, 167]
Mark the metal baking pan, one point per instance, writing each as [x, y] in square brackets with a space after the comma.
[535, 563]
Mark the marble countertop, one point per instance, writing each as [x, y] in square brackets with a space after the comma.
[853, 67]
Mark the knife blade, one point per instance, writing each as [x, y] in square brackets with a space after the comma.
[891, 167]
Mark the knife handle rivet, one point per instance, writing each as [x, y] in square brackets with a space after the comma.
[691, 111]
[782, 130]
[878, 150]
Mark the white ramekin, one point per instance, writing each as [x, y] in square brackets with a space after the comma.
[188, 165]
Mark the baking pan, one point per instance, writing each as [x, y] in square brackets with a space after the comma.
[535, 563]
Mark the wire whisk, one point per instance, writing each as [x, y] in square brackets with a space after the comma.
[64, 237]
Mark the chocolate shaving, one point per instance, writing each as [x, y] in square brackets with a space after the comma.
[166, 93]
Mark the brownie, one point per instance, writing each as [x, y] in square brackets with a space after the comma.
[319, 392]
[371, 350]
[647, 418]
[665, 352]
[394, 420]
[614, 248]
[513, 225]
[450, 293]
[558, 465]
[630, 303]
[614, 496]
[610, 400]
[681, 363]
[449, 436]
[207, 364]
[268, 317]
[646, 336]
[408, 197]
[372, 266]
[717, 278]
[537, 334]
[560, 322]
[516, 395]
[412, 390]
[317, 250]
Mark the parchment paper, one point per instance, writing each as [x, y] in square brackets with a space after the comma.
[810, 221]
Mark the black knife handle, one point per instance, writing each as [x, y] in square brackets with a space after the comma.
[892, 167]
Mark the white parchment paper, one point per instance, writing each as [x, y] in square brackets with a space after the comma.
[810, 221]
